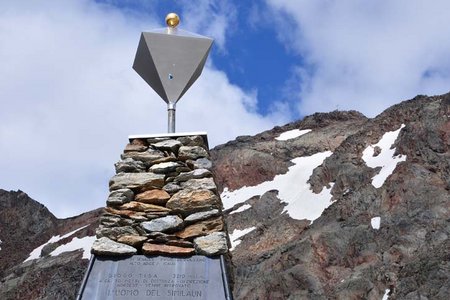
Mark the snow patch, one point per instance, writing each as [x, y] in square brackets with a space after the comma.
[235, 237]
[386, 159]
[84, 243]
[386, 294]
[241, 209]
[36, 253]
[292, 187]
[375, 222]
[292, 134]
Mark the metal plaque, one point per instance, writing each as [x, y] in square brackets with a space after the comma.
[157, 277]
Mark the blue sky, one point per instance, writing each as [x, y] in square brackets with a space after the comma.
[69, 97]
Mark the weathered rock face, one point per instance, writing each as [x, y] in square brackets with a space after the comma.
[341, 255]
[160, 208]
[25, 225]
[248, 161]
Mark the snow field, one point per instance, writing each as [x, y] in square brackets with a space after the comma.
[386, 159]
[235, 236]
[292, 187]
[292, 134]
[36, 253]
[240, 209]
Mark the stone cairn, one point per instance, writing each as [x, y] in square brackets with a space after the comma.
[163, 201]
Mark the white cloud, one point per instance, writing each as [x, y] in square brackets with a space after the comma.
[366, 55]
[214, 18]
[69, 99]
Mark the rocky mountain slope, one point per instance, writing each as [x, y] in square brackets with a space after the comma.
[335, 206]
[26, 225]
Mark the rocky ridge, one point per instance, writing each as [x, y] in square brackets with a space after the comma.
[24, 226]
[342, 254]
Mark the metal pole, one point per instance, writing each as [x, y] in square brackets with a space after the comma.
[226, 286]
[85, 278]
[171, 115]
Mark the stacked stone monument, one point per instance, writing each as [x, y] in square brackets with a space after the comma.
[163, 213]
[163, 201]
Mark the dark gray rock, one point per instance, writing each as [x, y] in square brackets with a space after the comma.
[200, 184]
[119, 197]
[201, 163]
[195, 174]
[114, 233]
[168, 145]
[172, 188]
[146, 157]
[195, 140]
[192, 152]
[108, 220]
[129, 165]
[203, 215]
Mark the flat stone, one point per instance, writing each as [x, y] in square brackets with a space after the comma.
[114, 233]
[157, 140]
[139, 142]
[168, 145]
[160, 237]
[203, 215]
[172, 188]
[200, 184]
[136, 181]
[180, 243]
[190, 201]
[119, 197]
[202, 163]
[105, 246]
[135, 241]
[146, 157]
[212, 244]
[136, 215]
[160, 249]
[201, 228]
[138, 148]
[165, 167]
[195, 140]
[164, 224]
[164, 159]
[115, 221]
[155, 215]
[129, 165]
[144, 207]
[158, 197]
[191, 152]
[195, 174]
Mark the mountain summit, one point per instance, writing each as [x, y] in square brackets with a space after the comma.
[335, 206]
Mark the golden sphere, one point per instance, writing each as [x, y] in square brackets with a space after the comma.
[172, 20]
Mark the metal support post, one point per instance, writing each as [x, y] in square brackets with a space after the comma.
[171, 117]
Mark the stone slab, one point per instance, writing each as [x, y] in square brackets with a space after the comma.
[154, 277]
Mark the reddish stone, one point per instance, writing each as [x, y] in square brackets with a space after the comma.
[160, 249]
[158, 197]
[201, 228]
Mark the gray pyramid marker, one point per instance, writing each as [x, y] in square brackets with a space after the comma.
[170, 60]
